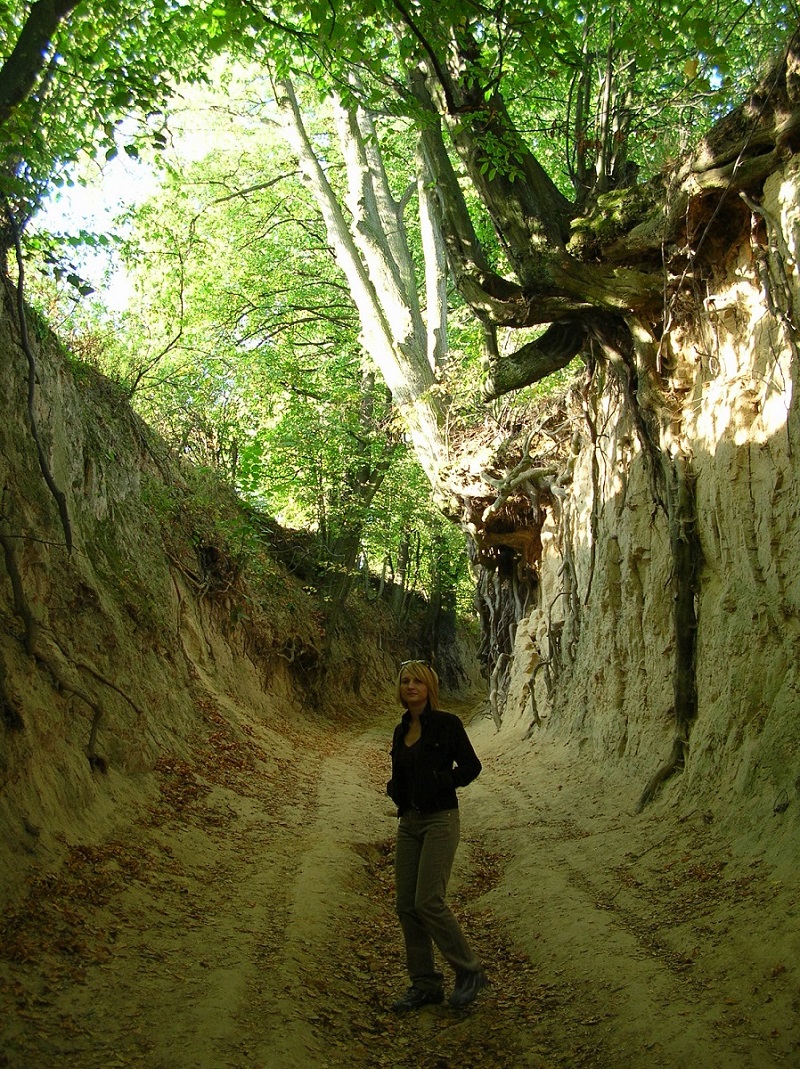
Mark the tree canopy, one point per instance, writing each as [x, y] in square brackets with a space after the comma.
[529, 118]
[473, 172]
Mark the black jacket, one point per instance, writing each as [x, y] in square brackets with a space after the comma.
[444, 760]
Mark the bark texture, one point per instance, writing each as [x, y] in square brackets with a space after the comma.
[22, 69]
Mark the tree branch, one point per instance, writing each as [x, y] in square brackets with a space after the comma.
[534, 361]
[29, 57]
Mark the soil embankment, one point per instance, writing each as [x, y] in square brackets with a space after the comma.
[245, 920]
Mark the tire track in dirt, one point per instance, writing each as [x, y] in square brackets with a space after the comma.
[249, 922]
[629, 917]
[349, 954]
[145, 951]
[246, 922]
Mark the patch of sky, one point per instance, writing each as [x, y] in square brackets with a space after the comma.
[100, 201]
[97, 206]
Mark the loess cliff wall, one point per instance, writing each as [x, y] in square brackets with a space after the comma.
[169, 629]
[599, 646]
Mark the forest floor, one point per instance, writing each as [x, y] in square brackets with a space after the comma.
[245, 922]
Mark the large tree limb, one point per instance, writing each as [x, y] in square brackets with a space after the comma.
[530, 216]
[768, 117]
[465, 255]
[434, 256]
[393, 332]
[534, 361]
[667, 223]
[379, 228]
[499, 162]
[735, 156]
[19, 73]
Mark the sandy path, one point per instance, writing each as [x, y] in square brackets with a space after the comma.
[247, 922]
[210, 934]
[659, 945]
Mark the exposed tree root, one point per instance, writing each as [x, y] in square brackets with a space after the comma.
[58, 494]
[536, 720]
[21, 607]
[34, 647]
[675, 763]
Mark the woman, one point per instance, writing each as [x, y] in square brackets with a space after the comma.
[431, 757]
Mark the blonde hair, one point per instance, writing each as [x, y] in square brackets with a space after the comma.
[423, 672]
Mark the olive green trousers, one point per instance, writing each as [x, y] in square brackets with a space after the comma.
[424, 852]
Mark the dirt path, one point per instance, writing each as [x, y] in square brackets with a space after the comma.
[246, 921]
[660, 946]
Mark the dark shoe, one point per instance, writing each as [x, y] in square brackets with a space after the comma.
[468, 986]
[415, 998]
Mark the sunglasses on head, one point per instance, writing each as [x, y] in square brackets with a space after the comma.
[414, 660]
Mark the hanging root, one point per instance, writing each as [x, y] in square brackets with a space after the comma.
[675, 763]
[536, 720]
[21, 606]
[36, 647]
[58, 494]
[686, 558]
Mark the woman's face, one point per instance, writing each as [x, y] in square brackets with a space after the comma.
[413, 692]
